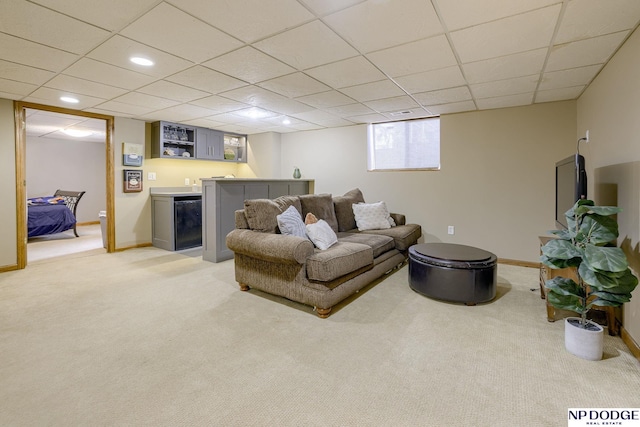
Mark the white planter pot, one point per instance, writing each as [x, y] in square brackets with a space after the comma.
[584, 343]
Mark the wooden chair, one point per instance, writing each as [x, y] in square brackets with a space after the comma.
[71, 199]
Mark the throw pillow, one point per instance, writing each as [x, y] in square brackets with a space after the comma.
[321, 205]
[310, 219]
[290, 223]
[321, 234]
[344, 211]
[261, 213]
[372, 216]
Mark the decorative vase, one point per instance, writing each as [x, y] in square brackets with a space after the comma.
[585, 343]
[296, 173]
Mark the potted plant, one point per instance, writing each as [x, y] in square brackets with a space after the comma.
[602, 270]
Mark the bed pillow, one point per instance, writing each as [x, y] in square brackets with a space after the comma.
[290, 223]
[321, 234]
[372, 216]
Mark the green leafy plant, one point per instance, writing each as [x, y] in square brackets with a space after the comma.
[604, 277]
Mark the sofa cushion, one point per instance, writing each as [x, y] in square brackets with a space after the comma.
[290, 223]
[342, 258]
[261, 213]
[372, 216]
[403, 235]
[377, 242]
[344, 212]
[321, 205]
[322, 236]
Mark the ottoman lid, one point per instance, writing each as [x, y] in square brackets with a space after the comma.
[453, 252]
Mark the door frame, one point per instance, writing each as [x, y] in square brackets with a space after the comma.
[21, 178]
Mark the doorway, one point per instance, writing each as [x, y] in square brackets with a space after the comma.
[34, 121]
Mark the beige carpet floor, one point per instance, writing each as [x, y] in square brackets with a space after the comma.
[148, 337]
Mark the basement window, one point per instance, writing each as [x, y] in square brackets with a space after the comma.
[404, 145]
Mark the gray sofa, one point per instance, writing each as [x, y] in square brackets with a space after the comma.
[292, 267]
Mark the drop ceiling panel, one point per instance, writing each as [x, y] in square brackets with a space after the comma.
[330, 98]
[248, 20]
[84, 87]
[171, 30]
[170, 90]
[459, 14]
[118, 50]
[415, 57]
[49, 96]
[528, 31]
[371, 91]
[505, 87]
[117, 108]
[205, 79]
[144, 100]
[183, 112]
[375, 25]
[294, 85]
[591, 51]
[348, 72]
[23, 73]
[219, 104]
[505, 67]
[444, 96]
[350, 110]
[392, 104]
[24, 52]
[307, 46]
[505, 101]
[16, 88]
[268, 100]
[432, 80]
[99, 12]
[323, 7]
[250, 65]
[111, 75]
[322, 118]
[590, 18]
[453, 107]
[24, 19]
[559, 94]
[567, 78]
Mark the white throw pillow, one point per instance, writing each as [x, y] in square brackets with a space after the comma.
[290, 223]
[321, 234]
[372, 216]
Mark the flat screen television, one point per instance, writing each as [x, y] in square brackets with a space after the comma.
[571, 185]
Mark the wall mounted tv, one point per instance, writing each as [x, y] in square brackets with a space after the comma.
[571, 185]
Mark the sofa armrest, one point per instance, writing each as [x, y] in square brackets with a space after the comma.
[270, 247]
[400, 219]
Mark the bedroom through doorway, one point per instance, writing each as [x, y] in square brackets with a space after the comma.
[65, 160]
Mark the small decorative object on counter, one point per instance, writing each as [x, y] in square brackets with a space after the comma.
[296, 173]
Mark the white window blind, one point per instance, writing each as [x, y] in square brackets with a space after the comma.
[404, 145]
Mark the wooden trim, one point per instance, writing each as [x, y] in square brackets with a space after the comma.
[519, 263]
[9, 268]
[630, 342]
[21, 184]
[80, 224]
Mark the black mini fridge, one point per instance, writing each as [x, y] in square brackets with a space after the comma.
[188, 222]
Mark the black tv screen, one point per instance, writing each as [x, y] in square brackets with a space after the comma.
[571, 185]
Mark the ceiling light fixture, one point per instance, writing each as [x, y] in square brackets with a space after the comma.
[77, 133]
[141, 61]
[69, 99]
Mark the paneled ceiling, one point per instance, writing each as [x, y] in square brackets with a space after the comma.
[253, 66]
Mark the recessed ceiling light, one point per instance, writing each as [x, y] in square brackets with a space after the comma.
[77, 132]
[69, 99]
[141, 61]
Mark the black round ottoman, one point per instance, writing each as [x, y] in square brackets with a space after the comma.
[451, 272]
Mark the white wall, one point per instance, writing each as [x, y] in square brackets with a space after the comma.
[53, 164]
[610, 110]
[496, 185]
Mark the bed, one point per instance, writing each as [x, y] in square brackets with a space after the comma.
[53, 214]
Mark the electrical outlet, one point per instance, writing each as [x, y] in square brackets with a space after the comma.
[151, 176]
[586, 137]
[186, 181]
[451, 229]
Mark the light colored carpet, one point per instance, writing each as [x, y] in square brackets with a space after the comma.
[148, 337]
[65, 243]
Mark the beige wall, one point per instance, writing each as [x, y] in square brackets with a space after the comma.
[496, 185]
[8, 230]
[610, 110]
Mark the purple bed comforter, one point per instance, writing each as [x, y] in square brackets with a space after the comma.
[49, 219]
